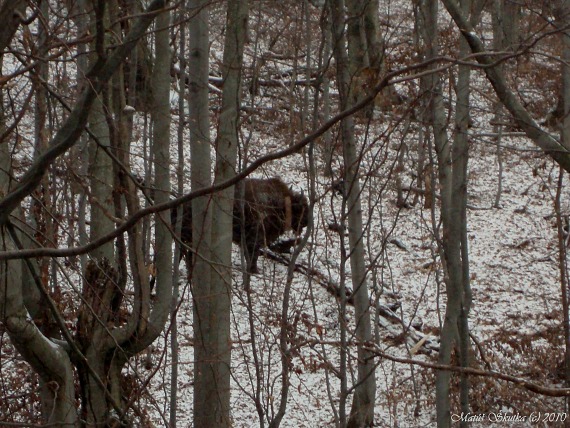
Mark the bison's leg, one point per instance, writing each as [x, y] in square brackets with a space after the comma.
[251, 252]
[253, 263]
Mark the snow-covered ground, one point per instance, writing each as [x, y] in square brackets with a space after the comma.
[516, 315]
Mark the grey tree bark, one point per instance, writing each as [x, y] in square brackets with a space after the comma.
[563, 268]
[161, 151]
[563, 20]
[442, 145]
[174, 345]
[511, 27]
[550, 145]
[452, 167]
[100, 164]
[82, 148]
[324, 62]
[46, 357]
[458, 220]
[96, 288]
[362, 411]
[205, 400]
[49, 361]
[222, 215]
[500, 30]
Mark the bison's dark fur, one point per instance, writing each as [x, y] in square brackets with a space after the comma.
[260, 216]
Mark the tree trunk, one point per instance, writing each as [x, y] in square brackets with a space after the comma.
[500, 22]
[552, 147]
[174, 345]
[161, 152]
[205, 400]
[324, 60]
[222, 215]
[458, 215]
[47, 359]
[452, 172]
[511, 24]
[82, 149]
[442, 146]
[101, 271]
[362, 411]
[563, 21]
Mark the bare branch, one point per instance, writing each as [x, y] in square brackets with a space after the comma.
[531, 386]
[73, 127]
[387, 80]
[541, 138]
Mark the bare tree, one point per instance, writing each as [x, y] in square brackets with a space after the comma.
[82, 174]
[176, 298]
[222, 213]
[452, 165]
[550, 145]
[48, 357]
[563, 21]
[205, 400]
[362, 412]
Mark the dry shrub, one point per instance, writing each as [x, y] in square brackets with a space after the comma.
[535, 357]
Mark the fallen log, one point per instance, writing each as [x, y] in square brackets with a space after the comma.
[394, 324]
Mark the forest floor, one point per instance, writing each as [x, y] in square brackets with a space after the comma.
[515, 317]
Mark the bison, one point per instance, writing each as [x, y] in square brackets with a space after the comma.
[264, 209]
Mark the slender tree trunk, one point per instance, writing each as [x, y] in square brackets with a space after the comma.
[458, 220]
[174, 346]
[452, 167]
[205, 400]
[551, 146]
[362, 411]
[374, 41]
[564, 21]
[100, 274]
[100, 164]
[500, 28]
[308, 62]
[118, 123]
[47, 359]
[511, 24]
[324, 61]
[83, 146]
[442, 145]
[356, 39]
[563, 268]
[222, 212]
[161, 153]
